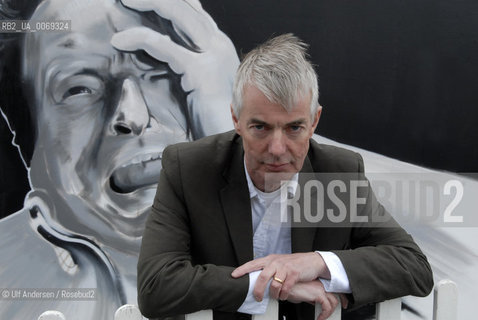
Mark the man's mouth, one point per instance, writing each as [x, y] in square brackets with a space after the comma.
[140, 172]
[276, 167]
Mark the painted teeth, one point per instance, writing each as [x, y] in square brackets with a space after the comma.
[142, 159]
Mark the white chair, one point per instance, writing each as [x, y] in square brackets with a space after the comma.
[444, 308]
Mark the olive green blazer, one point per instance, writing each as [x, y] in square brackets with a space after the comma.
[200, 229]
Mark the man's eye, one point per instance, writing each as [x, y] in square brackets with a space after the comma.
[78, 90]
[259, 127]
[295, 129]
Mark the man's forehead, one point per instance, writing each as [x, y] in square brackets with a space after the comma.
[264, 120]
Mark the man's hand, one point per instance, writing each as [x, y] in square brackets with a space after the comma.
[313, 292]
[207, 74]
[286, 269]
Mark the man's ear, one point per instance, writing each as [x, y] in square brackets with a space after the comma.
[235, 121]
[316, 119]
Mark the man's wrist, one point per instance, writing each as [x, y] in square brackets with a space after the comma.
[250, 304]
[338, 280]
[324, 272]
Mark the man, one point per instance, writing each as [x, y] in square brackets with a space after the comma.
[210, 241]
[101, 117]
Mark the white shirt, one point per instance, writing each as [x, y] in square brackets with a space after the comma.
[272, 236]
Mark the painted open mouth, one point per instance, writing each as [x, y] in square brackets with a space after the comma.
[140, 172]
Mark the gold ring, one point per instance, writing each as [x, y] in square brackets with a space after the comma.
[279, 280]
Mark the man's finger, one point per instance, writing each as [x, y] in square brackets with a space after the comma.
[248, 267]
[326, 308]
[289, 282]
[262, 282]
[334, 301]
[343, 300]
[278, 285]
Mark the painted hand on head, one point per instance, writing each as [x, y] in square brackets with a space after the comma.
[207, 73]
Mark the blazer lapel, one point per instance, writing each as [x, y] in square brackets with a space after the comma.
[236, 205]
[302, 233]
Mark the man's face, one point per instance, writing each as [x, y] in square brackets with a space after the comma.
[275, 140]
[103, 118]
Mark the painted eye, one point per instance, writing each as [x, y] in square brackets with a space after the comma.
[78, 90]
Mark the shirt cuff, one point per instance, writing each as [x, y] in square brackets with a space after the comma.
[250, 305]
[339, 282]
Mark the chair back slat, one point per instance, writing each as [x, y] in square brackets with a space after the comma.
[128, 312]
[272, 312]
[389, 310]
[200, 315]
[52, 315]
[445, 301]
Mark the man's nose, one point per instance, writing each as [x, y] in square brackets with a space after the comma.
[131, 115]
[277, 144]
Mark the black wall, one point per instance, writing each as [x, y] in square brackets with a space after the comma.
[13, 175]
[399, 77]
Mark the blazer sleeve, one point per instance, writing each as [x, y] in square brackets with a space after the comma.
[383, 261]
[169, 283]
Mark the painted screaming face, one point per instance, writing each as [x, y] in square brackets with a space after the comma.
[102, 116]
